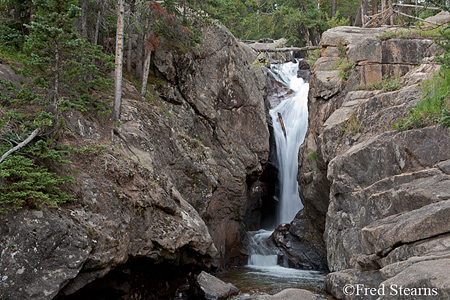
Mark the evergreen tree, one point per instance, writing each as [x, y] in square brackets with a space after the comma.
[60, 61]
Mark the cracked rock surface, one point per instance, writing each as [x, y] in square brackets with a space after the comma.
[381, 196]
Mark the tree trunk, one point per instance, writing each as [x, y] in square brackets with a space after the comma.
[130, 38]
[148, 57]
[97, 28]
[374, 7]
[392, 16]
[139, 50]
[83, 19]
[119, 62]
[363, 12]
[308, 42]
[333, 8]
[383, 8]
[57, 67]
[358, 20]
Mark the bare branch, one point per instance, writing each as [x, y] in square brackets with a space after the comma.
[20, 145]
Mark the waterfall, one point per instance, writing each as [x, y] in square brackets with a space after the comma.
[260, 252]
[293, 114]
[290, 121]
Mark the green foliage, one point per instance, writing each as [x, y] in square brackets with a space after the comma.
[433, 107]
[312, 155]
[411, 33]
[444, 59]
[181, 35]
[22, 182]
[344, 66]
[337, 20]
[301, 17]
[313, 57]
[342, 49]
[254, 20]
[11, 36]
[345, 8]
[445, 118]
[64, 67]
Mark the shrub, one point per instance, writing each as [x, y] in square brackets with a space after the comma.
[24, 183]
[312, 155]
[344, 66]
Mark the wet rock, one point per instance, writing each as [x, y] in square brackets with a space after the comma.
[304, 70]
[300, 245]
[208, 287]
[290, 294]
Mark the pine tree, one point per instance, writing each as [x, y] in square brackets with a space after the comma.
[61, 61]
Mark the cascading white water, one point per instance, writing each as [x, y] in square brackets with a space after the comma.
[293, 114]
[260, 253]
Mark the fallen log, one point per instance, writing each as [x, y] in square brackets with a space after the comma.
[282, 125]
[286, 49]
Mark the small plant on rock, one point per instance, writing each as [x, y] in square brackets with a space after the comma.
[352, 126]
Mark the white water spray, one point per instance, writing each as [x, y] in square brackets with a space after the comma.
[293, 113]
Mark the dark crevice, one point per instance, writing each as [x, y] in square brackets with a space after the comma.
[386, 252]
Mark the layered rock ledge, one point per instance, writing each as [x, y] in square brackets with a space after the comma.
[380, 196]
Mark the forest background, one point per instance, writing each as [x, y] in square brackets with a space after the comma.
[65, 50]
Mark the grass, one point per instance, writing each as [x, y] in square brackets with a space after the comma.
[343, 65]
[312, 155]
[411, 33]
[433, 108]
[352, 126]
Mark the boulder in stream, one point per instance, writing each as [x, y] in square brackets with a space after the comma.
[209, 287]
[290, 294]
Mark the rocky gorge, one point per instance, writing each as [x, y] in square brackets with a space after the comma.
[173, 189]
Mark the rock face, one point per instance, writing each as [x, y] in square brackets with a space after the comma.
[164, 196]
[222, 114]
[384, 193]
